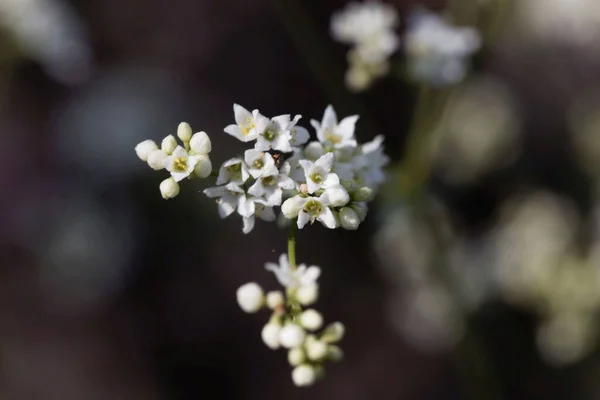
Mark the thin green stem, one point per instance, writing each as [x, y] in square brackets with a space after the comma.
[292, 244]
[214, 172]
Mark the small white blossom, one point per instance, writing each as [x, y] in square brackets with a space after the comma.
[258, 162]
[259, 208]
[330, 133]
[310, 209]
[349, 218]
[250, 297]
[270, 335]
[370, 163]
[169, 144]
[318, 174]
[311, 320]
[180, 164]
[270, 186]
[333, 333]
[231, 197]
[369, 26]
[296, 356]
[438, 51]
[245, 127]
[275, 299]
[293, 278]
[156, 159]
[144, 149]
[304, 375]
[169, 188]
[291, 336]
[307, 294]
[233, 170]
[184, 132]
[316, 349]
[200, 143]
[274, 134]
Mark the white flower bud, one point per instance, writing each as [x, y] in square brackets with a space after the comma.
[333, 333]
[334, 353]
[250, 297]
[144, 149]
[316, 350]
[203, 166]
[360, 209]
[363, 194]
[304, 375]
[200, 143]
[307, 294]
[290, 208]
[349, 219]
[169, 188]
[338, 196]
[270, 335]
[169, 144]
[311, 320]
[314, 150]
[184, 132]
[358, 78]
[275, 299]
[156, 159]
[291, 336]
[296, 356]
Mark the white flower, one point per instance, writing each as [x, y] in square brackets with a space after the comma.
[318, 174]
[370, 163]
[169, 144]
[330, 133]
[259, 208]
[169, 188]
[437, 50]
[180, 164]
[231, 197]
[296, 356]
[258, 161]
[245, 128]
[274, 134]
[233, 170]
[293, 278]
[349, 218]
[291, 336]
[184, 132]
[271, 185]
[333, 333]
[316, 349]
[311, 320]
[298, 134]
[144, 149]
[307, 294]
[304, 375]
[275, 299]
[156, 159]
[370, 27]
[309, 209]
[270, 335]
[250, 297]
[200, 143]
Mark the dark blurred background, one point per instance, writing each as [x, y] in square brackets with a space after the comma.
[109, 292]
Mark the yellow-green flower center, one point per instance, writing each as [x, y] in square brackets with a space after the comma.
[180, 164]
[269, 180]
[269, 134]
[258, 163]
[316, 177]
[313, 207]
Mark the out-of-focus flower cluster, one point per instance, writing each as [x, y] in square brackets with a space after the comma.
[292, 326]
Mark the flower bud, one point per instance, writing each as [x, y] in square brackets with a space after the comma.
[296, 356]
[169, 188]
[290, 208]
[200, 143]
[333, 333]
[144, 149]
[360, 209]
[291, 336]
[156, 160]
[275, 299]
[169, 144]
[349, 219]
[307, 294]
[250, 297]
[314, 150]
[270, 335]
[311, 320]
[334, 353]
[338, 196]
[203, 166]
[184, 132]
[304, 375]
[363, 194]
[316, 350]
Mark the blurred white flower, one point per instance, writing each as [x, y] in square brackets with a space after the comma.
[334, 134]
[250, 297]
[293, 278]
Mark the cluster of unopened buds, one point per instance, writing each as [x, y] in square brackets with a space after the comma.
[290, 323]
[329, 180]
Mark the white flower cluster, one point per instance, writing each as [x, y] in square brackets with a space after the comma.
[290, 324]
[369, 28]
[189, 161]
[437, 51]
[329, 180]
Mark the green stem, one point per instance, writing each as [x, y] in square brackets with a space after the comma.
[214, 172]
[292, 244]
